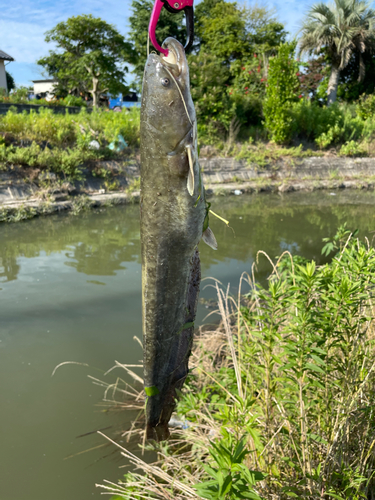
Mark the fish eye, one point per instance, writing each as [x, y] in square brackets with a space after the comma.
[164, 82]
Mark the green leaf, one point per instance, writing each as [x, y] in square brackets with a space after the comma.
[313, 367]
[226, 486]
[151, 391]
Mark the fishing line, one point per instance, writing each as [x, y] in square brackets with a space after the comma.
[182, 97]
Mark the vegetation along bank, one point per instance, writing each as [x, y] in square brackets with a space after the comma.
[52, 162]
[279, 400]
[267, 120]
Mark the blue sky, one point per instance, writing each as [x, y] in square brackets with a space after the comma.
[24, 22]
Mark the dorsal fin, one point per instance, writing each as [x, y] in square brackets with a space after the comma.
[209, 238]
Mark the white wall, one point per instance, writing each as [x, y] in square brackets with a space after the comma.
[3, 78]
[43, 87]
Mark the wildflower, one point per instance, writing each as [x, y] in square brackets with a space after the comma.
[262, 79]
[297, 73]
[246, 92]
[300, 96]
[246, 88]
[255, 55]
[250, 72]
[243, 68]
[259, 68]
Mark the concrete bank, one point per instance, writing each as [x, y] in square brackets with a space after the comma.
[222, 176]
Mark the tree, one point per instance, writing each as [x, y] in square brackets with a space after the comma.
[10, 81]
[238, 41]
[90, 57]
[340, 29]
[312, 75]
[223, 32]
[350, 89]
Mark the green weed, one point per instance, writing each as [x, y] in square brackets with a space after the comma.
[16, 215]
[134, 185]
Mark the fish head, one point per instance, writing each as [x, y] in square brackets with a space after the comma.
[167, 108]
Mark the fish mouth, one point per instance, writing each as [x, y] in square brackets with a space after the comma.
[175, 62]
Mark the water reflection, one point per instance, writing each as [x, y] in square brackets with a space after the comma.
[102, 243]
[94, 243]
[9, 268]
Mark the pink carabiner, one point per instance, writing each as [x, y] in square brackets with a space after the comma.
[173, 6]
[158, 5]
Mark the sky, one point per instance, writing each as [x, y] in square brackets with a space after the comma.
[24, 22]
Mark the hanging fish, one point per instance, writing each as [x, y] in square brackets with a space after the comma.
[174, 217]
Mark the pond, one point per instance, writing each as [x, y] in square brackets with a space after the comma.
[70, 290]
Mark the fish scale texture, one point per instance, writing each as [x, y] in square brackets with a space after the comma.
[171, 228]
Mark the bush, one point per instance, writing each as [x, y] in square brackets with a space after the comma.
[65, 161]
[335, 124]
[66, 130]
[366, 106]
[351, 148]
[282, 91]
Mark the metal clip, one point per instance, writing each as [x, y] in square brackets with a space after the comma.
[173, 6]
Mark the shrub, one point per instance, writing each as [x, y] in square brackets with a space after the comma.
[65, 161]
[335, 124]
[351, 148]
[66, 130]
[281, 92]
[366, 106]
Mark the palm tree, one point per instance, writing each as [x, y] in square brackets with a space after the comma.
[341, 28]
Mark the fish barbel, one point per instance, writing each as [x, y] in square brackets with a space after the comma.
[173, 215]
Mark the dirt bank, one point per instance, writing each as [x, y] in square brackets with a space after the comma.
[38, 192]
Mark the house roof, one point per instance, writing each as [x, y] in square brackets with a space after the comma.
[44, 81]
[5, 56]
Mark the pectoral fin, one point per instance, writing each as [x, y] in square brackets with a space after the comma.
[190, 179]
[209, 238]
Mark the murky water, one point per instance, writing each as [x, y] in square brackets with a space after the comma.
[70, 290]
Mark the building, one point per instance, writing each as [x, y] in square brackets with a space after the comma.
[3, 77]
[44, 88]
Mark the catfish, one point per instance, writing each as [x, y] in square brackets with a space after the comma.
[174, 218]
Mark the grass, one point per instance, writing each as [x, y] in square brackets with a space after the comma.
[280, 396]
[263, 155]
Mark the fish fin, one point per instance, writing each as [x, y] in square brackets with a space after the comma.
[209, 238]
[190, 179]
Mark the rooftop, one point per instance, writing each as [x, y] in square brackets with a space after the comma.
[43, 81]
[5, 57]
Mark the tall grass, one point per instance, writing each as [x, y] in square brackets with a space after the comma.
[284, 387]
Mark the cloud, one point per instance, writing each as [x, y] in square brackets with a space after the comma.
[23, 41]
